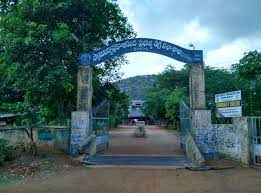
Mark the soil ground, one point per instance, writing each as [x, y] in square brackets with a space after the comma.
[131, 180]
[80, 179]
[158, 141]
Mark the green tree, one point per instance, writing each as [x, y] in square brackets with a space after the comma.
[164, 95]
[172, 79]
[42, 41]
[154, 104]
[218, 80]
[119, 103]
[176, 83]
[162, 99]
[248, 76]
[172, 105]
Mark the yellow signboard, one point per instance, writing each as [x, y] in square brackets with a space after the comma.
[228, 104]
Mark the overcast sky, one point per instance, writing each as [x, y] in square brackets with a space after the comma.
[223, 29]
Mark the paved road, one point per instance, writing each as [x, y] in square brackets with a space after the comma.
[158, 141]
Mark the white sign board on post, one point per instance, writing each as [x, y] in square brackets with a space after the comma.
[229, 104]
[140, 124]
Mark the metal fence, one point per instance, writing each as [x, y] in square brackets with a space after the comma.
[100, 124]
[254, 123]
[185, 116]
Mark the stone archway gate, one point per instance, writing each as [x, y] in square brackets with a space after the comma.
[81, 133]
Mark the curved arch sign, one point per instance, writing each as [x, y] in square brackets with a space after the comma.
[141, 45]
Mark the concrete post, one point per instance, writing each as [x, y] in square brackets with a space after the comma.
[84, 88]
[79, 130]
[243, 132]
[202, 131]
[197, 87]
[201, 118]
[81, 119]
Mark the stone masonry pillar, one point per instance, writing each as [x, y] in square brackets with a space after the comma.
[202, 129]
[84, 88]
[81, 119]
[197, 87]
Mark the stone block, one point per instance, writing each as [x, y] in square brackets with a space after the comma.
[193, 152]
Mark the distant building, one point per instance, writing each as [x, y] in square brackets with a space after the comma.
[7, 119]
[135, 111]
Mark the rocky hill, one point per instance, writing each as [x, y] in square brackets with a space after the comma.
[135, 87]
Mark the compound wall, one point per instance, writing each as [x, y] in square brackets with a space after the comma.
[231, 140]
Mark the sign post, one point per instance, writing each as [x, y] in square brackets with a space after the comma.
[229, 104]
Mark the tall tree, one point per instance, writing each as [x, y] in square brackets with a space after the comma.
[218, 80]
[172, 105]
[248, 74]
[155, 101]
[172, 79]
[42, 40]
[119, 103]
[173, 85]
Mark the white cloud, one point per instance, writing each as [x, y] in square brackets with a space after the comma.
[126, 7]
[149, 63]
[231, 53]
[224, 33]
[141, 63]
[195, 33]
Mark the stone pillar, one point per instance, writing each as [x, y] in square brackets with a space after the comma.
[81, 119]
[202, 131]
[84, 88]
[243, 132]
[79, 130]
[197, 87]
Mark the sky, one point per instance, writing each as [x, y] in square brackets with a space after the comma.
[223, 29]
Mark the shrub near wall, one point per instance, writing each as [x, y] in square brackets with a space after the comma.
[11, 149]
[5, 151]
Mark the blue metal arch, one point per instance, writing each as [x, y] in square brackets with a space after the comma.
[141, 45]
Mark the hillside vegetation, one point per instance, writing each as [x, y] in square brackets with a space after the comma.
[136, 87]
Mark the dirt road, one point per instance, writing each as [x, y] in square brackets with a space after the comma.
[158, 141]
[117, 180]
[143, 180]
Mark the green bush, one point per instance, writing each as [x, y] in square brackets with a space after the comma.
[5, 151]
[113, 121]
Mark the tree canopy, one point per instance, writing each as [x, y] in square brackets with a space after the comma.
[172, 85]
[42, 40]
[248, 77]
